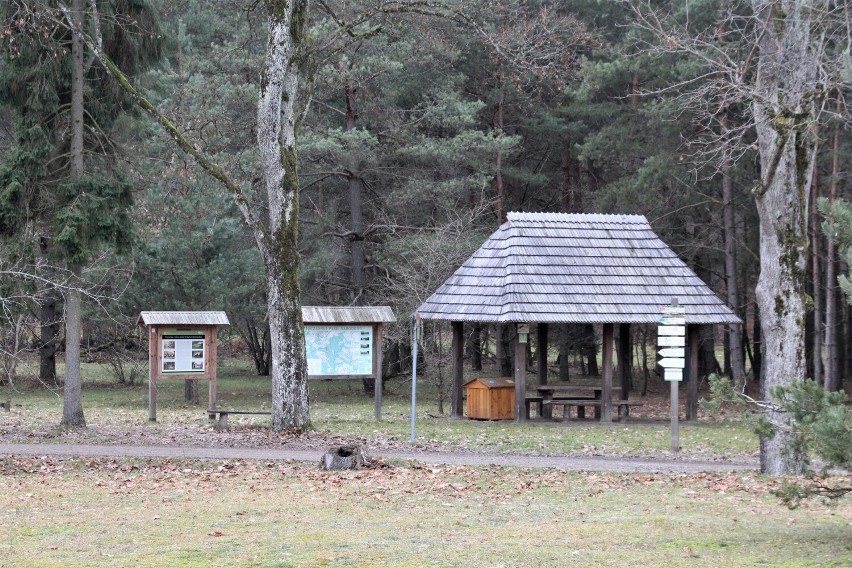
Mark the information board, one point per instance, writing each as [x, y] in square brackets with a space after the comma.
[183, 351]
[339, 349]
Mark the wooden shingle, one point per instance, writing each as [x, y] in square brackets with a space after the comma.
[573, 268]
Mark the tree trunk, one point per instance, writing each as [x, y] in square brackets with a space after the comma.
[591, 351]
[505, 358]
[735, 334]
[394, 363]
[566, 197]
[49, 329]
[831, 363]
[816, 249]
[499, 189]
[72, 407]
[258, 343]
[783, 112]
[276, 135]
[190, 391]
[356, 186]
[72, 401]
[646, 373]
[474, 345]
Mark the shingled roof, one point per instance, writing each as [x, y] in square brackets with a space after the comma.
[573, 268]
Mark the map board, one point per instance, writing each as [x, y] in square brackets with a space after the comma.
[183, 351]
[339, 349]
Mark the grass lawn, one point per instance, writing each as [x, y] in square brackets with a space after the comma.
[128, 512]
[70, 512]
[341, 407]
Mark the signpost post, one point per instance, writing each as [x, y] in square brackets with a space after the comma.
[671, 336]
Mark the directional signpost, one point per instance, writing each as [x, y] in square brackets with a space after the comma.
[671, 339]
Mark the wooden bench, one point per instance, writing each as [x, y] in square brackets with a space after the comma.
[539, 401]
[222, 423]
[582, 403]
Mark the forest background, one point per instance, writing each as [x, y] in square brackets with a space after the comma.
[424, 127]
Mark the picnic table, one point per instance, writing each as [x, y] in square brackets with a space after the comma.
[579, 396]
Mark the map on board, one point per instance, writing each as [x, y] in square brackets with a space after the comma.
[339, 349]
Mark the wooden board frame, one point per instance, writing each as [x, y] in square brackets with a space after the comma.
[155, 372]
[376, 375]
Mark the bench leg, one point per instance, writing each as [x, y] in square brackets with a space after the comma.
[223, 421]
[527, 409]
[623, 412]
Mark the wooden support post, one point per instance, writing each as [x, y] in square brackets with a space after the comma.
[212, 365]
[673, 416]
[153, 359]
[520, 380]
[625, 365]
[458, 368]
[693, 335]
[541, 353]
[606, 395]
[377, 368]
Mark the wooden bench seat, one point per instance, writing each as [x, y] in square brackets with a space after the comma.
[538, 400]
[222, 423]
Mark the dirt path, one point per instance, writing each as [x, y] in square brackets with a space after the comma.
[567, 463]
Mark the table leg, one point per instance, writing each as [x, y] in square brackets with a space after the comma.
[546, 407]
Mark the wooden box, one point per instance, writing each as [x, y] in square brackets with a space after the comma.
[491, 399]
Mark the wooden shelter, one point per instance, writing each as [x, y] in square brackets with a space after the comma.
[547, 268]
[181, 345]
[346, 343]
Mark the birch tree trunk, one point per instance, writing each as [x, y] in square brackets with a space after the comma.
[784, 112]
[276, 136]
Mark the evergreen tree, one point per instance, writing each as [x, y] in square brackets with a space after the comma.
[66, 112]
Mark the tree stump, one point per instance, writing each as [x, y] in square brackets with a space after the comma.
[344, 457]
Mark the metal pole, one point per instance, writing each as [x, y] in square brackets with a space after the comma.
[413, 378]
[675, 441]
[675, 445]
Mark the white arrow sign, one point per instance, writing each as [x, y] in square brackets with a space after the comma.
[672, 321]
[672, 352]
[671, 362]
[671, 330]
[673, 375]
[670, 311]
[671, 341]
